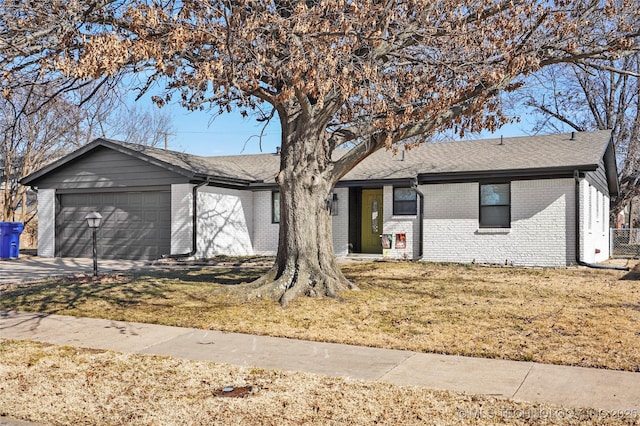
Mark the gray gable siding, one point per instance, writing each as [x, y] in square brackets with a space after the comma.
[105, 168]
[598, 179]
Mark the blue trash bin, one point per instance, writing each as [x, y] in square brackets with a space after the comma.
[10, 239]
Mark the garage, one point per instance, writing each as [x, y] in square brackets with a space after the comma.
[135, 225]
[131, 186]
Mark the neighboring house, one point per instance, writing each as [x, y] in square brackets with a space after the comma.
[539, 200]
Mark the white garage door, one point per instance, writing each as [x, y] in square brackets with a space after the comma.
[135, 225]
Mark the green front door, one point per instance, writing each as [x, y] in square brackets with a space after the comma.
[371, 220]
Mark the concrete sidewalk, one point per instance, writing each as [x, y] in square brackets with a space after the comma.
[526, 381]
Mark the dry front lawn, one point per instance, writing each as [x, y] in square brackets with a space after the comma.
[69, 386]
[575, 316]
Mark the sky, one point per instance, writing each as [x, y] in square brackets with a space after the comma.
[227, 134]
[231, 134]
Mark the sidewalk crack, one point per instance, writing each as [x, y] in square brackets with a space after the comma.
[523, 380]
[413, 354]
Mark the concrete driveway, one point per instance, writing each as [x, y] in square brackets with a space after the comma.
[28, 268]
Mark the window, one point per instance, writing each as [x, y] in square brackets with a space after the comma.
[405, 201]
[275, 207]
[495, 205]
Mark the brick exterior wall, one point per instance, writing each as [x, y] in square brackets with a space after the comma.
[542, 231]
[265, 233]
[47, 222]
[341, 223]
[400, 224]
[542, 225]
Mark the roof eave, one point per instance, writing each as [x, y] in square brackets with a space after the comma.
[348, 183]
[507, 174]
[226, 182]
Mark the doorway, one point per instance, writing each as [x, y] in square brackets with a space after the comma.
[371, 221]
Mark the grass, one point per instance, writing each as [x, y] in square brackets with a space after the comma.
[61, 385]
[563, 316]
[582, 317]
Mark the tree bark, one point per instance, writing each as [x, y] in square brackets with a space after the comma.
[305, 263]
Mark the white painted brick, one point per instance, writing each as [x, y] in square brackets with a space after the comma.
[341, 223]
[541, 233]
[400, 224]
[265, 233]
[47, 222]
[542, 224]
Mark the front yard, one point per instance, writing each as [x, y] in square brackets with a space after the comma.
[574, 316]
[582, 317]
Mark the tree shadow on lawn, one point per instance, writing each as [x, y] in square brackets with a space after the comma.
[62, 294]
[227, 276]
[157, 288]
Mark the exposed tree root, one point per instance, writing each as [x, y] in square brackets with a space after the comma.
[294, 281]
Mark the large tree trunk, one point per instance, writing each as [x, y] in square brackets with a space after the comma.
[305, 263]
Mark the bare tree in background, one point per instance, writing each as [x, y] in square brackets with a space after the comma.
[604, 95]
[144, 126]
[40, 122]
[34, 128]
[45, 114]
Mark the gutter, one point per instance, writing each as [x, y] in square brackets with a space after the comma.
[414, 185]
[576, 176]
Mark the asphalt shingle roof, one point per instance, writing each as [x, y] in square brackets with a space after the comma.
[243, 167]
[508, 154]
[555, 151]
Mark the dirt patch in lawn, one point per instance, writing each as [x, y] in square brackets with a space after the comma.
[69, 386]
[574, 316]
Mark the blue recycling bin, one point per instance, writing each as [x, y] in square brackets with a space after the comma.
[10, 239]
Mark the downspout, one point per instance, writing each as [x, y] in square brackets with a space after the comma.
[194, 220]
[576, 177]
[414, 185]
